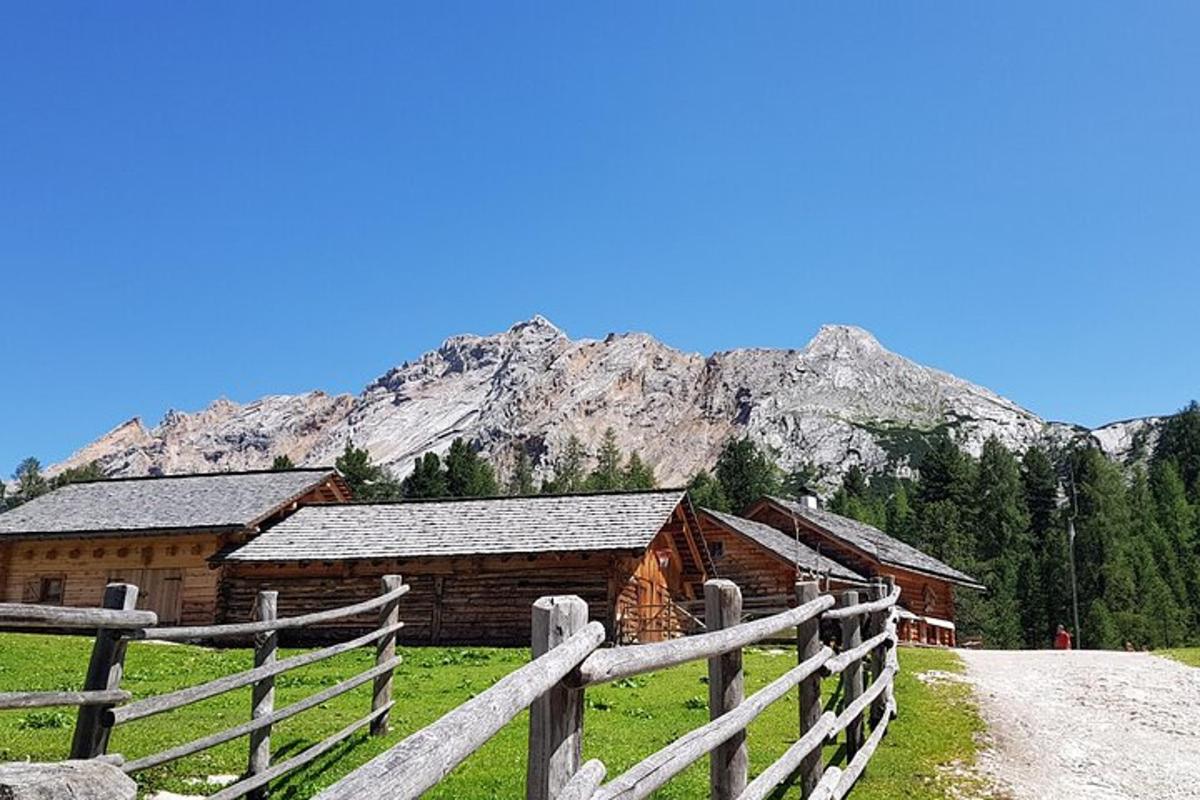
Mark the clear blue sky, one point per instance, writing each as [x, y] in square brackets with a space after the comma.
[205, 199]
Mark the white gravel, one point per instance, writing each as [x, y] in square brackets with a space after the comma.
[1089, 724]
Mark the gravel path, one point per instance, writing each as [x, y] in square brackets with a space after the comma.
[1086, 724]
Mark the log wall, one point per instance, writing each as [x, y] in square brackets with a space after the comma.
[479, 601]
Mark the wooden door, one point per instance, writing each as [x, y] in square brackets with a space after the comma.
[159, 590]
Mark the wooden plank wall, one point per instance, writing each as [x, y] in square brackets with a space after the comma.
[479, 601]
[87, 564]
[757, 571]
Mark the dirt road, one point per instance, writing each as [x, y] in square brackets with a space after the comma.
[1082, 725]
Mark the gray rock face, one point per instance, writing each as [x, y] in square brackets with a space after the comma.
[841, 400]
[67, 780]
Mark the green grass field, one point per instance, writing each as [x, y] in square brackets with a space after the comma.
[624, 721]
[1188, 655]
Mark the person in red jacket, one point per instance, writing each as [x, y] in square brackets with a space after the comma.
[1062, 639]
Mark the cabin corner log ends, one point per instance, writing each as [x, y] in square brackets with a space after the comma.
[567, 659]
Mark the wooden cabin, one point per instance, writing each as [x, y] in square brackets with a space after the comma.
[927, 585]
[159, 533]
[765, 562]
[477, 565]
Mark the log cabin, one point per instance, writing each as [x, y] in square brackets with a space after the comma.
[927, 585]
[765, 562]
[159, 533]
[477, 565]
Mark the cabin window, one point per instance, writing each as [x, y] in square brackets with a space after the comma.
[716, 549]
[50, 590]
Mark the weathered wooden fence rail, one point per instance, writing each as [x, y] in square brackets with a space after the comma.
[103, 704]
[567, 661]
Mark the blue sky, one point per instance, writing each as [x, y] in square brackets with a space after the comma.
[238, 199]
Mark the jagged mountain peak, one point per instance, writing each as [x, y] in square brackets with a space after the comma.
[841, 400]
[843, 341]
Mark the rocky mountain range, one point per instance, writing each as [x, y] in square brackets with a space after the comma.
[841, 400]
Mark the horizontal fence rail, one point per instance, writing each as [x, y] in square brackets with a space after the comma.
[245, 629]
[567, 661]
[19, 615]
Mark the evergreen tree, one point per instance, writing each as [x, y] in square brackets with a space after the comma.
[901, 521]
[746, 473]
[30, 482]
[1179, 441]
[568, 472]
[945, 472]
[1178, 523]
[637, 474]
[606, 476]
[282, 463]
[90, 471]
[367, 481]
[466, 474]
[1102, 522]
[1046, 588]
[521, 482]
[707, 492]
[427, 480]
[1002, 546]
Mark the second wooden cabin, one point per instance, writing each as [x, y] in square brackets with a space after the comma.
[477, 565]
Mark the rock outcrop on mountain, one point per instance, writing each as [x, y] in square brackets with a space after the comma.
[841, 400]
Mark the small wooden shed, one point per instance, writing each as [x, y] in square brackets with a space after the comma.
[477, 565]
[927, 585]
[156, 532]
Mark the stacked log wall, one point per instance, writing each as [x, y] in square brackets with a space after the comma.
[476, 601]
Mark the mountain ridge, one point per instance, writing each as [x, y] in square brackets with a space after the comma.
[842, 399]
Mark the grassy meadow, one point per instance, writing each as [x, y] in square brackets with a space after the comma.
[1188, 655]
[624, 721]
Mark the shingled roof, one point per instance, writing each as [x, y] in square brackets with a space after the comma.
[425, 529]
[225, 501]
[874, 542]
[784, 546]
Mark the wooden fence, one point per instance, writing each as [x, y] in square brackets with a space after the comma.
[103, 704]
[567, 659]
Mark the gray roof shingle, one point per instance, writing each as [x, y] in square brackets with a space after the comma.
[784, 546]
[173, 502]
[562, 523]
[886, 549]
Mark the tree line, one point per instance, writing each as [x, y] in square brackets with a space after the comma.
[464, 472]
[1005, 519]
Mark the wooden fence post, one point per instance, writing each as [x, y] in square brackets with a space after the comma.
[104, 672]
[891, 656]
[852, 675]
[262, 698]
[556, 717]
[876, 622]
[808, 644]
[385, 650]
[729, 762]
